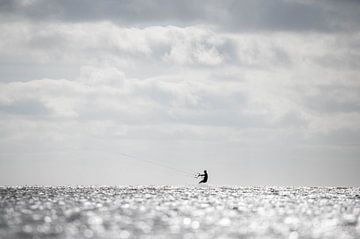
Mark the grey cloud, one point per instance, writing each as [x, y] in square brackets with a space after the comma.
[347, 60]
[334, 98]
[276, 15]
[95, 96]
[223, 118]
[26, 71]
[292, 119]
[343, 138]
[232, 15]
[24, 107]
[121, 11]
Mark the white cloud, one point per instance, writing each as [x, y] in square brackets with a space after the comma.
[51, 42]
[261, 100]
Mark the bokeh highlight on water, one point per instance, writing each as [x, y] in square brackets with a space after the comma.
[179, 212]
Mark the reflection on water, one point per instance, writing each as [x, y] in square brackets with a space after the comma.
[179, 212]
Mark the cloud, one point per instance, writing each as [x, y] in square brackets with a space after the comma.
[60, 49]
[257, 79]
[23, 107]
[70, 43]
[182, 75]
[279, 15]
[256, 103]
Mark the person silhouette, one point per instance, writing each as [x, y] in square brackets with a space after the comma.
[205, 177]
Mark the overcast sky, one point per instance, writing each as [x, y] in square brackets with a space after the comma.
[256, 92]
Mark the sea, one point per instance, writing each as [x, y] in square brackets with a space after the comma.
[179, 212]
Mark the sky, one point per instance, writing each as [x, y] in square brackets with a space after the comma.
[115, 92]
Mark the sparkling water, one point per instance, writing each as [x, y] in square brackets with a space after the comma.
[179, 212]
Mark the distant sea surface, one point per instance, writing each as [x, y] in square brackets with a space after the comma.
[179, 212]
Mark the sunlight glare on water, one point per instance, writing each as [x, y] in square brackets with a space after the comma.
[179, 212]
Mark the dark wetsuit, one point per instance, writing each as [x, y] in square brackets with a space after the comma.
[205, 175]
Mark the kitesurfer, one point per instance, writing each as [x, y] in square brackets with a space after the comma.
[205, 177]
